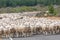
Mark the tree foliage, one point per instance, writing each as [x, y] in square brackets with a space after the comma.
[51, 9]
[13, 3]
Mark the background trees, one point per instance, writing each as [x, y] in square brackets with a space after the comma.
[13, 3]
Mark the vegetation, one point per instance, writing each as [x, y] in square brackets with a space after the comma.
[17, 9]
[51, 12]
[51, 9]
[14, 3]
[15, 6]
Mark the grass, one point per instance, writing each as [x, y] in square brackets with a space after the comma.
[22, 9]
[17, 9]
[27, 9]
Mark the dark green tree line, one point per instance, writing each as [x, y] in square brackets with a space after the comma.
[13, 3]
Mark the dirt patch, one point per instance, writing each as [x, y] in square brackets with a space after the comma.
[53, 18]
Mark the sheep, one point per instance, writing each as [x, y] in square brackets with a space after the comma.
[12, 32]
[56, 28]
[38, 30]
[43, 28]
[46, 31]
[23, 32]
[1, 34]
[19, 31]
[53, 28]
[27, 31]
[6, 32]
[1, 31]
[33, 29]
[29, 26]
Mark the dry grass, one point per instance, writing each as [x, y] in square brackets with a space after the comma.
[53, 18]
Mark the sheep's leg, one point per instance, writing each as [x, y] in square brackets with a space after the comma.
[57, 31]
[54, 32]
[17, 34]
[11, 34]
[45, 33]
[34, 31]
[31, 33]
[28, 34]
[0, 37]
[10, 38]
[20, 32]
[39, 30]
[24, 34]
[49, 32]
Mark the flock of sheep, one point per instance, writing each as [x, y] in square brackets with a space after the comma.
[14, 25]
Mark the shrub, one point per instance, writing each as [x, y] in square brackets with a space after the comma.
[52, 11]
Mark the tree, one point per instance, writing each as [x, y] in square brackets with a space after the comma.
[13, 3]
[51, 9]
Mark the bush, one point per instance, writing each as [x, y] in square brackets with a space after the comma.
[52, 11]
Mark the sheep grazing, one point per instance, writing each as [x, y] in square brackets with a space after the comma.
[28, 26]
